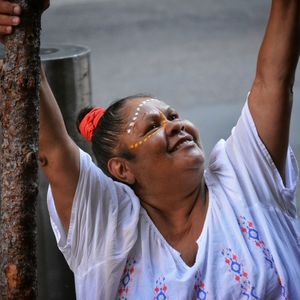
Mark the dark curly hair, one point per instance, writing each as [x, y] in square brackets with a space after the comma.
[105, 138]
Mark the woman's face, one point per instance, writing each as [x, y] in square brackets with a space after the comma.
[166, 148]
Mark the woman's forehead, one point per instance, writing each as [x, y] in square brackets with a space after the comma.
[140, 108]
[146, 104]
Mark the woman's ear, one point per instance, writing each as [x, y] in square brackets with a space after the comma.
[118, 167]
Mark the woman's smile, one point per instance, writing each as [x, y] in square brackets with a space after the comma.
[153, 120]
[183, 142]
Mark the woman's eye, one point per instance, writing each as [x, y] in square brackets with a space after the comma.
[173, 117]
[152, 126]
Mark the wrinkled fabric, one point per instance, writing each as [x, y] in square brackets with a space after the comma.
[249, 247]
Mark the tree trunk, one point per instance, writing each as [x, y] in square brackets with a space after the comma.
[19, 88]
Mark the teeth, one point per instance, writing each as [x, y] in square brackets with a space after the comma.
[183, 143]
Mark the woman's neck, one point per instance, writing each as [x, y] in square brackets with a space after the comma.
[179, 217]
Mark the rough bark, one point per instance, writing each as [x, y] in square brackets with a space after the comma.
[19, 88]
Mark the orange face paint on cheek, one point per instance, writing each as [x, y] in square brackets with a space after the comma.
[147, 137]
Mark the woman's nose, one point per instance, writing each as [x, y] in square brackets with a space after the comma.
[173, 127]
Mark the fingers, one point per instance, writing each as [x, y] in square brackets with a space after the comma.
[9, 8]
[9, 16]
[7, 22]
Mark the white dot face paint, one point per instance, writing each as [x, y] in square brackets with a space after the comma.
[136, 114]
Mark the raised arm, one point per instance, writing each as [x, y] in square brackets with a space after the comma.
[270, 100]
[58, 154]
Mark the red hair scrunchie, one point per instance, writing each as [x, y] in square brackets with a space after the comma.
[90, 121]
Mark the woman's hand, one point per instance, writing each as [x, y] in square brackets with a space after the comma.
[10, 16]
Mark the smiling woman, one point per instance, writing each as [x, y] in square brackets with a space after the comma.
[149, 222]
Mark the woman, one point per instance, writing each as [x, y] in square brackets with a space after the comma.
[153, 224]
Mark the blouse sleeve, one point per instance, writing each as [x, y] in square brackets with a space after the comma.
[103, 220]
[253, 164]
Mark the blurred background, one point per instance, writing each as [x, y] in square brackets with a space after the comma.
[197, 55]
